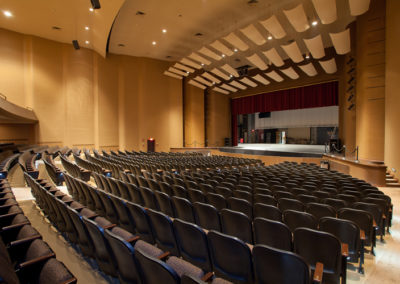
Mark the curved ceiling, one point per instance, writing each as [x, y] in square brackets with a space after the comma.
[39, 17]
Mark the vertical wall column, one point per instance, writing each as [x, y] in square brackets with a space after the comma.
[370, 102]
[392, 96]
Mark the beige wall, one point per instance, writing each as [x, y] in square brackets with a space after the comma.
[218, 118]
[194, 116]
[82, 99]
[370, 102]
[392, 96]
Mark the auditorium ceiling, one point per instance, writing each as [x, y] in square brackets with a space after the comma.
[212, 42]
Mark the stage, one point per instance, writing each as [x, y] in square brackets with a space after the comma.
[282, 150]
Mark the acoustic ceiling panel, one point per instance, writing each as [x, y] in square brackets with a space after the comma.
[298, 18]
[230, 70]
[274, 57]
[177, 71]
[273, 26]
[199, 58]
[309, 69]
[183, 67]
[326, 10]
[198, 85]
[210, 77]
[275, 76]
[248, 82]
[203, 81]
[293, 51]
[341, 41]
[257, 61]
[236, 42]
[253, 34]
[172, 75]
[190, 63]
[358, 7]
[315, 46]
[221, 91]
[210, 53]
[221, 47]
[329, 66]
[238, 85]
[261, 79]
[219, 73]
[290, 73]
[229, 88]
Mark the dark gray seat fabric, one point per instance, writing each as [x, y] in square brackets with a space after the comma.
[231, 258]
[141, 220]
[192, 243]
[272, 233]
[272, 265]
[207, 216]
[183, 209]
[267, 211]
[295, 219]
[236, 224]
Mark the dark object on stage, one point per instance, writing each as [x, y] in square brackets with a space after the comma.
[227, 141]
[75, 44]
[151, 145]
[264, 114]
[334, 144]
[95, 4]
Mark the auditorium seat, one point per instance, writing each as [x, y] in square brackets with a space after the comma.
[272, 233]
[163, 231]
[192, 243]
[236, 224]
[149, 198]
[273, 265]
[319, 210]
[264, 199]
[207, 216]
[290, 204]
[241, 205]
[196, 195]
[183, 209]
[267, 211]
[142, 222]
[231, 258]
[315, 246]
[295, 219]
[164, 202]
[216, 200]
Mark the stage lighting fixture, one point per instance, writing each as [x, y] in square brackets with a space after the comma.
[95, 4]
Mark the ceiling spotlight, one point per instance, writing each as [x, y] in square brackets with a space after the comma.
[154, 43]
[202, 64]
[87, 28]
[269, 37]
[8, 14]
[231, 75]
[187, 72]
[223, 55]
[164, 31]
[87, 42]
[235, 50]
[307, 56]
[91, 9]
[314, 23]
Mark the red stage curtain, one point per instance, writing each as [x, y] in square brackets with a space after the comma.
[321, 95]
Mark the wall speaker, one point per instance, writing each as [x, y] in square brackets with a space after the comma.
[75, 44]
[95, 4]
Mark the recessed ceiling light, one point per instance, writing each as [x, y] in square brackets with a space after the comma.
[91, 9]
[187, 72]
[87, 42]
[314, 23]
[8, 14]
[223, 55]
[235, 50]
[202, 64]
[87, 28]
[307, 56]
[164, 31]
[269, 37]
[154, 43]
[231, 75]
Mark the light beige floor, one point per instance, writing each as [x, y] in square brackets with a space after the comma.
[382, 268]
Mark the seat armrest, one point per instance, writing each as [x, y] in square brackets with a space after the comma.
[207, 277]
[24, 240]
[73, 280]
[318, 272]
[164, 255]
[6, 228]
[374, 223]
[109, 226]
[345, 249]
[36, 260]
[133, 239]
[362, 235]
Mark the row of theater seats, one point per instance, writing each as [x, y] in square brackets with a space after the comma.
[186, 238]
[24, 257]
[118, 252]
